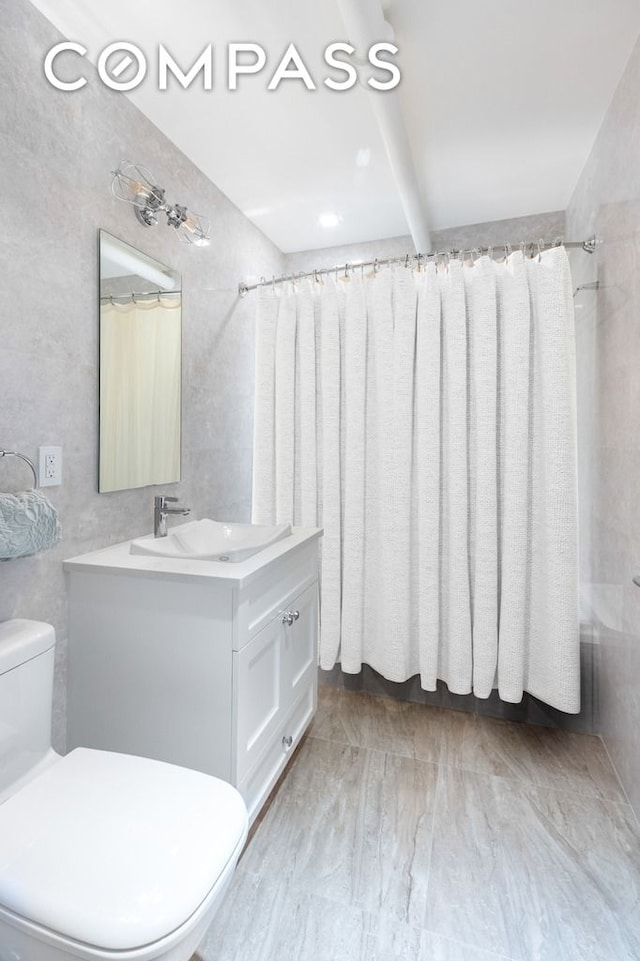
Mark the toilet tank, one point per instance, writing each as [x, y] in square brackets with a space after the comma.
[26, 692]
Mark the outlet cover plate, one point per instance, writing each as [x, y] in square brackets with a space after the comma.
[49, 466]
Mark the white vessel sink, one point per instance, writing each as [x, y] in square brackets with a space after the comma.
[208, 540]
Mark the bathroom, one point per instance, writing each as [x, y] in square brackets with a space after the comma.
[383, 762]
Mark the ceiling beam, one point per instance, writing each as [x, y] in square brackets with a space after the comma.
[365, 25]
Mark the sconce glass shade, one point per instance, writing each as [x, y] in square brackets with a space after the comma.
[191, 228]
[136, 185]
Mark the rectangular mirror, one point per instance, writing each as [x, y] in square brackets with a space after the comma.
[140, 368]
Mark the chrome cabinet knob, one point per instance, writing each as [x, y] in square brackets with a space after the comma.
[287, 742]
[289, 617]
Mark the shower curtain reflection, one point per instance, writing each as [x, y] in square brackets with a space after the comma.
[140, 364]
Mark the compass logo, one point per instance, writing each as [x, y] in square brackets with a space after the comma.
[123, 66]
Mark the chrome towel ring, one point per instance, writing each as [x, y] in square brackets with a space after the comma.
[15, 453]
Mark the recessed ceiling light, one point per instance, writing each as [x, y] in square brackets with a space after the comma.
[329, 220]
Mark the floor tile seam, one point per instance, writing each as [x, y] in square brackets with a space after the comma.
[539, 786]
[421, 930]
[377, 750]
[240, 869]
[407, 705]
[319, 737]
[433, 836]
[302, 888]
[617, 774]
[458, 711]
[306, 889]
[525, 783]
[471, 946]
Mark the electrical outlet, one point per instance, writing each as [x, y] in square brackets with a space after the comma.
[49, 466]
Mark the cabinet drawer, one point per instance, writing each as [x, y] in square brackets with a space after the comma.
[270, 594]
[257, 784]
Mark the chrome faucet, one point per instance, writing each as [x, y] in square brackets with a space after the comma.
[161, 512]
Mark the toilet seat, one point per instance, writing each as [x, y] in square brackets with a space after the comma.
[113, 853]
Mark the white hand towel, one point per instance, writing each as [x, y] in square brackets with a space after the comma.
[28, 524]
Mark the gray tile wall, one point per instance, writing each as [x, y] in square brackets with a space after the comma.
[547, 226]
[607, 201]
[56, 153]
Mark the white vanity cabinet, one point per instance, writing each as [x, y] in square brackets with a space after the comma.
[204, 664]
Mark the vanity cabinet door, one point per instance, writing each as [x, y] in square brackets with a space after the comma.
[299, 658]
[258, 694]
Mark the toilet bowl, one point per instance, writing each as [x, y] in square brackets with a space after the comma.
[104, 856]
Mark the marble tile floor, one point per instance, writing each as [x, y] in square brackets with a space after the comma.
[409, 833]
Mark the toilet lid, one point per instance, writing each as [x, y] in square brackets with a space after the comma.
[116, 851]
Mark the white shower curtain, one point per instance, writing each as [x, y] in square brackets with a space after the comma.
[426, 420]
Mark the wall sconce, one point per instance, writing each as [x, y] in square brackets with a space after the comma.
[136, 185]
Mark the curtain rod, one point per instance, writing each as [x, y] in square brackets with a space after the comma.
[145, 293]
[590, 245]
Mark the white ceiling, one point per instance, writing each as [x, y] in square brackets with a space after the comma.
[501, 101]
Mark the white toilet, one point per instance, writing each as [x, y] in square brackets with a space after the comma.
[103, 856]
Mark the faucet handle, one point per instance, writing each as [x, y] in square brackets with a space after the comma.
[161, 499]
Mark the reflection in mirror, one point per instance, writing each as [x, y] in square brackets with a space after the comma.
[140, 368]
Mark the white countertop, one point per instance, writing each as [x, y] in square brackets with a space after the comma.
[118, 560]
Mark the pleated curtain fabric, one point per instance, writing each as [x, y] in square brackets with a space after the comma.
[426, 420]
